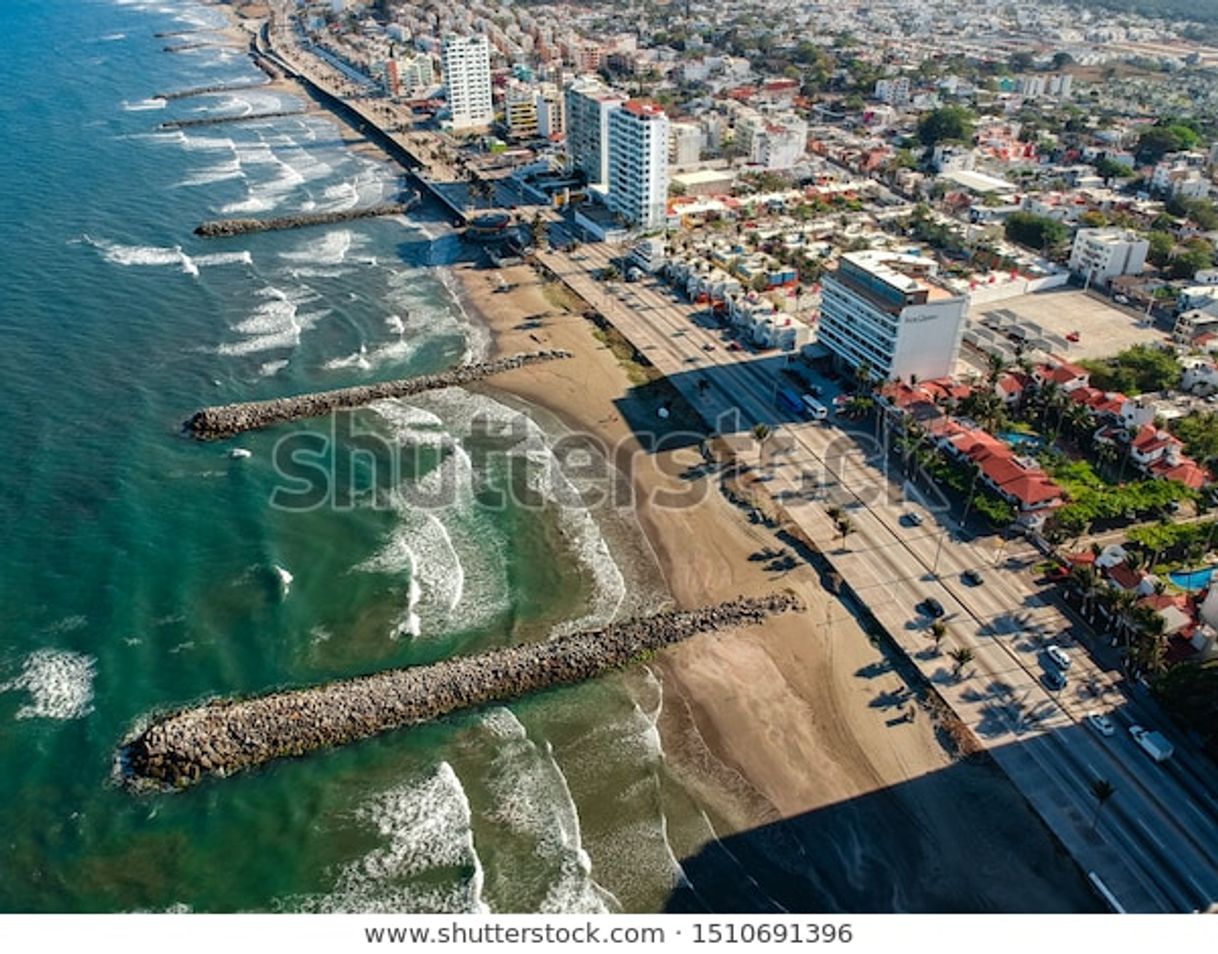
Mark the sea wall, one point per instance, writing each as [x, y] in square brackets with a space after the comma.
[220, 228]
[227, 736]
[221, 120]
[217, 423]
[205, 90]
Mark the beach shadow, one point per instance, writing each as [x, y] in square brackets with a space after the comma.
[955, 840]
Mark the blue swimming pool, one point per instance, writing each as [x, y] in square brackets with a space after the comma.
[1192, 579]
[1023, 441]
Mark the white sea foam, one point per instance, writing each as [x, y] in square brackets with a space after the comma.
[532, 800]
[59, 683]
[66, 625]
[328, 249]
[275, 323]
[428, 863]
[421, 546]
[112, 37]
[269, 368]
[143, 105]
[220, 172]
[154, 255]
[285, 579]
[224, 258]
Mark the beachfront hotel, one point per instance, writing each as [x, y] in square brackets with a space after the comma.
[638, 164]
[467, 77]
[886, 310]
[589, 103]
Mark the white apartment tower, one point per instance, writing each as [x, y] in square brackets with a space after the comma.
[589, 103]
[467, 77]
[885, 309]
[638, 163]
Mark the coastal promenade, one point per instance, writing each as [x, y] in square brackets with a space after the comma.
[227, 736]
[422, 153]
[1155, 848]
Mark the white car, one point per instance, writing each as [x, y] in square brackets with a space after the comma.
[1101, 723]
[1120, 299]
[1061, 658]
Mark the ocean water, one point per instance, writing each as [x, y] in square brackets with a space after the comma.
[140, 570]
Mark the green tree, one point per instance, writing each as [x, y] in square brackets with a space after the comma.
[938, 629]
[1161, 247]
[1034, 231]
[1189, 691]
[945, 123]
[1113, 170]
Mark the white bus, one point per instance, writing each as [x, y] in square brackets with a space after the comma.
[816, 410]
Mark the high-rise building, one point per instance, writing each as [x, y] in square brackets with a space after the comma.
[589, 103]
[467, 76]
[886, 310]
[638, 163]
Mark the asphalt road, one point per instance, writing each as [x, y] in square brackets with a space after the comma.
[1155, 843]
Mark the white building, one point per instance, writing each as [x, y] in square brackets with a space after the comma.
[467, 77]
[551, 119]
[893, 90]
[1099, 255]
[638, 163]
[684, 144]
[589, 103]
[887, 310]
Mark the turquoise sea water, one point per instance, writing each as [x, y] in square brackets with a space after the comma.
[140, 570]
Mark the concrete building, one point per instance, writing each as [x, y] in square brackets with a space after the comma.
[893, 90]
[551, 116]
[589, 103]
[1099, 255]
[467, 77]
[684, 144]
[887, 310]
[520, 112]
[638, 163]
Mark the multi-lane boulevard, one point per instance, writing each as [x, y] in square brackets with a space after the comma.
[1154, 845]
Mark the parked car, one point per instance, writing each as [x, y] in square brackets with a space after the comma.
[971, 577]
[733, 346]
[913, 519]
[1121, 299]
[932, 607]
[1055, 679]
[1073, 336]
[1101, 723]
[1061, 658]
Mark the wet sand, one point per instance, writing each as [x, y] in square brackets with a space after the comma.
[790, 734]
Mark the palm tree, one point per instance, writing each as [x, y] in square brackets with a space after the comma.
[537, 231]
[761, 434]
[961, 656]
[997, 367]
[845, 527]
[938, 629]
[1103, 790]
[834, 513]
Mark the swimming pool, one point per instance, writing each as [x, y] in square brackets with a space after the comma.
[1192, 579]
[1022, 441]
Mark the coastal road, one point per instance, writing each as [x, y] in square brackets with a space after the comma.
[1156, 843]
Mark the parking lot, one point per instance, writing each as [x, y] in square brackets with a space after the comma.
[1103, 327]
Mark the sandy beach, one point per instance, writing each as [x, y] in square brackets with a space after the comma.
[794, 736]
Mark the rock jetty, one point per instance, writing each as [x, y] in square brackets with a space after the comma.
[219, 120]
[221, 228]
[205, 90]
[228, 420]
[229, 735]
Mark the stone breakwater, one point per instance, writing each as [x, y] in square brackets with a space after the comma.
[221, 228]
[205, 90]
[219, 120]
[227, 736]
[228, 420]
